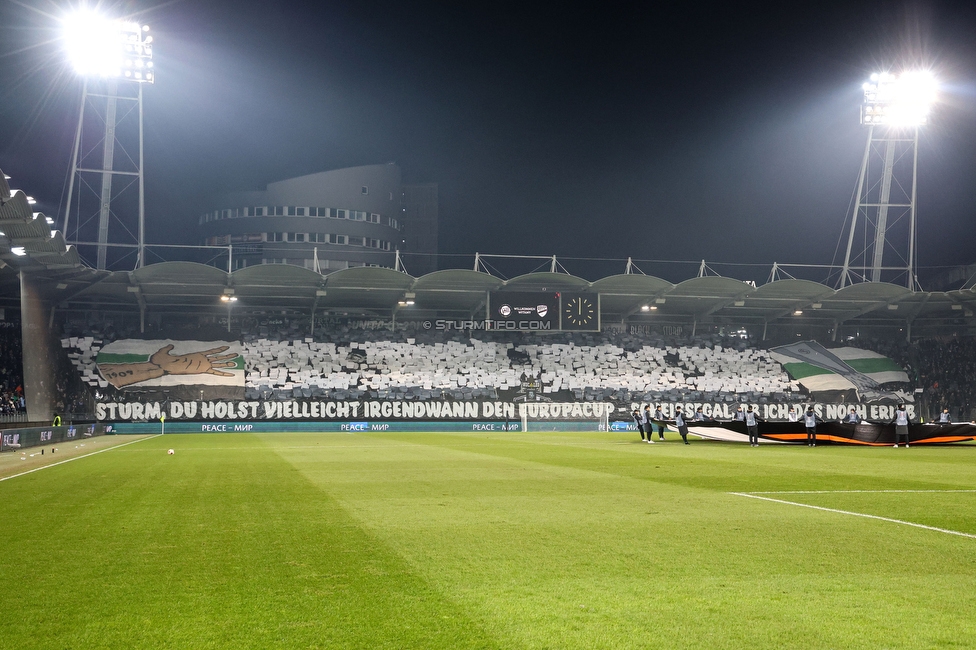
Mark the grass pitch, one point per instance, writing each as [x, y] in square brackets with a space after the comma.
[543, 540]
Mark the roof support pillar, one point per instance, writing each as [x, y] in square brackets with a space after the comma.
[39, 352]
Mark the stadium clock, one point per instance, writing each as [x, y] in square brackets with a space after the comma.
[579, 313]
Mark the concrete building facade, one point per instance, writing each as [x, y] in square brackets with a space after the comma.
[333, 220]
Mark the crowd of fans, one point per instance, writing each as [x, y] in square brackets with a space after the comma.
[946, 371]
[942, 371]
[11, 371]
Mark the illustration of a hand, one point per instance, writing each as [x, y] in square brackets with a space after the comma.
[194, 363]
[163, 363]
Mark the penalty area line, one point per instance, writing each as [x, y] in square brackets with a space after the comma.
[62, 462]
[856, 514]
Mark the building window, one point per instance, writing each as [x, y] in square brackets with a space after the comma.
[300, 212]
[291, 211]
[338, 239]
[323, 212]
[365, 190]
[356, 215]
[373, 218]
[275, 236]
[357, 241]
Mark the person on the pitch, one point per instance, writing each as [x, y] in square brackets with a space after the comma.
[852, 417]
[752, 420]
[901, 424]
[810, 422]
[739, 416]
[648, 423]
[792, 416]
[699, 415]
[679, 422]
[640, 423]
[659, 420]
[944, 417]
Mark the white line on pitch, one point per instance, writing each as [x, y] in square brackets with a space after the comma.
[856, 514]
[855, 491]
[62, 462]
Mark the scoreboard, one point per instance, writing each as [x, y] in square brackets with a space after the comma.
[543, 311]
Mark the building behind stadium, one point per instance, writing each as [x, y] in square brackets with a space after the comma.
[329, 221]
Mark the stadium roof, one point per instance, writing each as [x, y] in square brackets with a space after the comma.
[28, 245]
[381, 292]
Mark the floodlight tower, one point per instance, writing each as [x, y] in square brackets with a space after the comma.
[114, 58]
[894, 108]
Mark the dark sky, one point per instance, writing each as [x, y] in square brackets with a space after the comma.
[727, 132]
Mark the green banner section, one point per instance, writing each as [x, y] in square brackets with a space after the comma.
[866, 366]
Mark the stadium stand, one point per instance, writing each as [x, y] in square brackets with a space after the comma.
[947, 374]
[12, 405]
[424, 365]
[346, 363]
[342, 362]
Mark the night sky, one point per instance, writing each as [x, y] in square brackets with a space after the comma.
[727, 132]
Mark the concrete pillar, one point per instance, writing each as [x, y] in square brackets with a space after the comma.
[40, 352]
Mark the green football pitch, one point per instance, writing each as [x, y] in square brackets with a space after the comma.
[500, 540]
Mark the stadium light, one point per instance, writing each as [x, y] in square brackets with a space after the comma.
[903, 100]
[98, 46]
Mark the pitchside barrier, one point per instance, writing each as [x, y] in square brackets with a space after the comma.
[16, 439]
[317, 427]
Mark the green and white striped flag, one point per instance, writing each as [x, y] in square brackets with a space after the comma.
[839, 369]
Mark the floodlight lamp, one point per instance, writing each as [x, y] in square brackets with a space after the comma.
[798, 312]
[903, 100]
[18, 250]
[97, 45]
[645, 308]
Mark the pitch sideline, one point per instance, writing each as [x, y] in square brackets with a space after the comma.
[62, 462]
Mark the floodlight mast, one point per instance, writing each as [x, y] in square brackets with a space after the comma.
[116, 53]
[894, 108]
